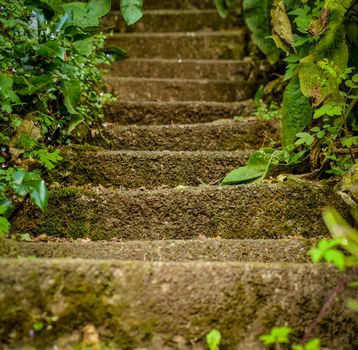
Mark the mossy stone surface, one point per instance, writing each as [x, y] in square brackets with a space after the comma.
[131, 303]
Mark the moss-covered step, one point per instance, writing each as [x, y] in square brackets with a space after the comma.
[191, 45]
[241, 70]
[173, 4]
[172, 20]
[254, 250]
[248, 211]
[151, 112]
[151, 305]
[155, 89]
[222, 135]
[149, 169]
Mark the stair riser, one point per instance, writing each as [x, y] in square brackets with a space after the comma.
[154, 113]
[190, 250]
[183, 45]
[136, 304]
[223, 136]
[254, 211]
[146, 169]
[180, 90]
[171, 21]
[179, 69]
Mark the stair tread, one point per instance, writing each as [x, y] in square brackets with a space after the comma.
[131, 302]
[246, 211]
[221, 135]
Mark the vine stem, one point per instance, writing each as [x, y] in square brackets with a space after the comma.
[327, 305]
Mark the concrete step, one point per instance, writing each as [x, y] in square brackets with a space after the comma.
[222, 135]
[156, 305]
[149, 169]
[264, 211]
[169, 20]
[184, 69]
[154, 89]
[191, 45]
[259, 250]
[172, 4]
[154, 113]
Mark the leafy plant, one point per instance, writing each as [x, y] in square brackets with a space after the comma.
[51, 88]
[20, 183]
[319, 101]
[280, 335]
[213, 339]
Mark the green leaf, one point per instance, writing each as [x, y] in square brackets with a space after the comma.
[50, 49]
[324, 245]
[352, 304]
[256, 168]
[7, 207]
[304, 138]
[319, 70]
[38, 326]
[98, 8]
[47, 158]
[6, 90]
[296, 111]
[71, 90]
[258, 21]
[81, 17]
[84, 47]
[4, 226]
[278, 335]
[75, 120]
[116, 53]
[132, 10]
[281, 27]
[313, 344]
[221, 8]
[39, 194]
[213, 339]
[25, 237]
[336, 258]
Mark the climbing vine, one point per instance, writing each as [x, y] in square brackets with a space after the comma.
[319, 122]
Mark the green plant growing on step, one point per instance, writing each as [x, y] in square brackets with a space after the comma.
[279, 337]
[19, 183]
[213, 339]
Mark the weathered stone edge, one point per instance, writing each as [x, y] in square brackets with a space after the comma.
[285, 250]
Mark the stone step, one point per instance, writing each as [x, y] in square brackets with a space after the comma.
[267, 250]
[191, 45]
[148, 169]
[154, 89]
[264, 211]
[156, 305]
[185, 20]
[222, 135]
[158, 113]
[241, 70]
[172, 4]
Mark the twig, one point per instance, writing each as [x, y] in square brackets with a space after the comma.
[327, 305]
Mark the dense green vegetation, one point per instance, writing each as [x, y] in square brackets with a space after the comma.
[319, 122]
[51, 88]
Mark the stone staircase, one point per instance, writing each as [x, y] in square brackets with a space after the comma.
[140, 248]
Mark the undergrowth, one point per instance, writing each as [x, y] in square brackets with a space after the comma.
[51, 88]
[318, 108]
